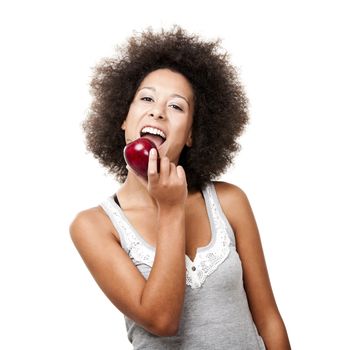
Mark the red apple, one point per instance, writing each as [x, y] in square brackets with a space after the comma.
[136, 155]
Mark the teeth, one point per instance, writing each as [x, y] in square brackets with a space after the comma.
[153, 131]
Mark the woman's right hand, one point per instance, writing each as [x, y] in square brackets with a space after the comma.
[169, 186]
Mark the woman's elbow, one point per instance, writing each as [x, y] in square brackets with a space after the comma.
[165, 327]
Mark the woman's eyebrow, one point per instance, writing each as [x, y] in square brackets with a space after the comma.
[180, 96]
[172, 95]
[147, 87]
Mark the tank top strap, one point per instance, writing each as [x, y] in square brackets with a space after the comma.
[216, 212]
[137, 249]
[113, 212]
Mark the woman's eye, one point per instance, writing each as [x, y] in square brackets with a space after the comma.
[176, 107]
[146, 98]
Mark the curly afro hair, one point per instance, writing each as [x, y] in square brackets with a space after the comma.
[220, 112]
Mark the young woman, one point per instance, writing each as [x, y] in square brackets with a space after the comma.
[178, 254]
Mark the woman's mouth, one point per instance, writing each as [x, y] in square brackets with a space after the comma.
[154, 134]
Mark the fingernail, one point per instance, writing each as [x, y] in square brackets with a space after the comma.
[153, 152]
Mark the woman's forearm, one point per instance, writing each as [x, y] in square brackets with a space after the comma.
[164, 291]
[274, 334]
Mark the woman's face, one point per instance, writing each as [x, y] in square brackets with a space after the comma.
[164, 101]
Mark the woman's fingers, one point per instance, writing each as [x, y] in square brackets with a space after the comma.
[152, 171]
[173, 172]
[152, 162]
[168, 175]
[164, 168]
[181, 172]
[168, 187]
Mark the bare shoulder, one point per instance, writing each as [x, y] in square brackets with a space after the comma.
[228, 191]
[234, 202]
[92, 221]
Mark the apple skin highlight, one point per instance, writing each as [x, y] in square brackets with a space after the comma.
[136, 155]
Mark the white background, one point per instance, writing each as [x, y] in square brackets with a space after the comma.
[293, 59]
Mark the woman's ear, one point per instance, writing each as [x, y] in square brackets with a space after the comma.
[189, 139]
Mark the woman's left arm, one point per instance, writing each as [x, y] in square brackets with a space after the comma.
[267, 318]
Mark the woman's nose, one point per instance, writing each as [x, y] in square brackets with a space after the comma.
[157, 111]
[156, 114]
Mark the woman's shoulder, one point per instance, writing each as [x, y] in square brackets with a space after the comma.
[233, 201]
[91, 221]
[228, 192]
[91, 216]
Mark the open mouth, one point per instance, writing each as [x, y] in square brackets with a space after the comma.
[154, 134]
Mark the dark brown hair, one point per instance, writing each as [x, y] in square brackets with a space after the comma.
[220, 112]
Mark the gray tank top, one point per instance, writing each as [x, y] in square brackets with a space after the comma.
[216, 314]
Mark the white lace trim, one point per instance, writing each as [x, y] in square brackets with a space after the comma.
[205, 262]
[136, 249]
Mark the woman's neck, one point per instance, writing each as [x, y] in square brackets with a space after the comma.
[133, 194]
